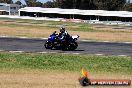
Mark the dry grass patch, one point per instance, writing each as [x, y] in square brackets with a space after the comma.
[58, 70]
[106, 36]
[34, 32]
[50, 79]
[39, 31]
[22, 31]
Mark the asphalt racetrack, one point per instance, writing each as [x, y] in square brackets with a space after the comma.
[85, 47]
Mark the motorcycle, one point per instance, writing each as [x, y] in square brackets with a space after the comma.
[55, 42]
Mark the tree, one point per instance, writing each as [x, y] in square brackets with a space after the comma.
[18, 2]
[67, 4]
[110, 4]
[54, 2]
[118, 4]
[6, 1]
[76, 4]
[91, 4]
[87, 4]
[49, 4]
[81, 4]
[128, 7]
[59, 3]
[31, 3]
[38, 4]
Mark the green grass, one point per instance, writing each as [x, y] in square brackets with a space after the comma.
[63, 62]
[49, 24]
[52, 24]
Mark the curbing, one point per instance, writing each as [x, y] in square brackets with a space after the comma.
[59, 52]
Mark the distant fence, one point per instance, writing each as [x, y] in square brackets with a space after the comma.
[70, 20]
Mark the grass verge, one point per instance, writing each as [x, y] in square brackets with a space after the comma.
[61, 62]
[39, 29]
[9, 29]
[51, 24]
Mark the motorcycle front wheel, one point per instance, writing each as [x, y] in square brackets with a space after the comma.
[48, 45]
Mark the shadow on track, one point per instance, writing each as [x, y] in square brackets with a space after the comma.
[69, 50]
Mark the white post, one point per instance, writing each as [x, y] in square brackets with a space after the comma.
[9, 10]
[19, 13]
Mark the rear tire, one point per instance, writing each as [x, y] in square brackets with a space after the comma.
[73, 46]
[66, 47]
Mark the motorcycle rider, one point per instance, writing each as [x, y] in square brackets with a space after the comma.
[64, 36]
[54, 33]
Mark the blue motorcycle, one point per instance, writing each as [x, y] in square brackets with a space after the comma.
[55, 42]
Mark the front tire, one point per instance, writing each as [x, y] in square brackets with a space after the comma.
[48, 45]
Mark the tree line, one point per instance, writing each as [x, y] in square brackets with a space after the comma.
[111, 5]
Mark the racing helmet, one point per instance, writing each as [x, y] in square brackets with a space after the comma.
[62, 29]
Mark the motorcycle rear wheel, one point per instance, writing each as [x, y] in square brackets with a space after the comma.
[73, 45]
[66, 47]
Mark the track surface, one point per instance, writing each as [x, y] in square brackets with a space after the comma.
[37, 45]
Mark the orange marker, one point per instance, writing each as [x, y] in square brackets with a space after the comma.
[85, 81]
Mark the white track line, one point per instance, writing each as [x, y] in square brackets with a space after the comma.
[76, 53]
[122, 55]
[106, 41]
[23, 37]
[72, 53]
[16, 51]
[53, 52]
[87, 40]
[58, 52]
[44, 38]
[46, 52]
[66, 53]
[128, 42]
[42, 52]
[4, 36]
[99, 54]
